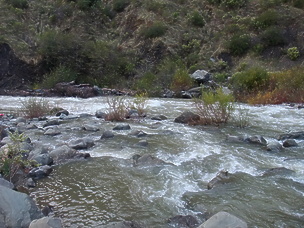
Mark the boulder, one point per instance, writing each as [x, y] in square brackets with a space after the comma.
[159, 117]
[183, 221]
[122, 127]
[40, 172]
[224, 219]
[53, 131]
[292, 135]
[51, 123]
[100, 114]
[30, 183]
[47, 222]
[43, 159]
[187, 117]
[138, 133]
[274, 146]
[290, 143]
[80, 144]
[220, 178]
[17, 209]
[5, 183]
[89, 127]
[147, 160]
[201, 76]
[62, 153]
[107, 135]
[70, 89]
[62, 112]
[282, 171]
[256, 139]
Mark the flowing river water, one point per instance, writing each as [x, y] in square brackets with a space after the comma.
[108, 188]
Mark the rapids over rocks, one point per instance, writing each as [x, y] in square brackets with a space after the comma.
[109, 188]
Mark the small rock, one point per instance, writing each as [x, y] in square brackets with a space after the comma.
[88, 127]
[100, 114]
[51, 123]
[47, 222]
[63, 111]
[180, 221]
[159, 117]
[187, 117]
[142, 143]
[30, 183]
[43, 159]
[122, 127]
[52, 131]
[40, 172]
[290, 143]
[223, 219]
[80, 144]
[107, 135]
[278, 171]
[220, 178]
[256, 139]
[274, 147]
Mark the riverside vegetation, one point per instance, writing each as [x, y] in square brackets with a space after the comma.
[149, 46]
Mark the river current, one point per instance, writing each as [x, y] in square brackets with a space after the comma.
[108, 188]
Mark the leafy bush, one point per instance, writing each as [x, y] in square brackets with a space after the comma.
[250, 80]
[197, 19]
[59, 74]
[11, 157]
[214, 107]
[117, 108]
[228, 3]
[272, 37]
[34, 107]
[293, 53]
[266, 19]
[120, 5]
[239, 44]
[181, 80]
[154, 30]
[21, 4]
[149, 84]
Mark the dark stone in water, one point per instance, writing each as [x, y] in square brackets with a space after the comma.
[124, 224]
[292, 135]
[122, 127]
[290, 143]
[282, 171]
[107, 135]
[183, 221]
[159, 117]
[220, 178]
[147, 160]
[187, 117]
[40, 172]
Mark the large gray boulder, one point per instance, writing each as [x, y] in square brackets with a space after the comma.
[17, 209]
[223, 219]
[6, 183]
[80, 144]
[47, 222]
[63, 153]
[201, 76]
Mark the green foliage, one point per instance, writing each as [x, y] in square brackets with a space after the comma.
[296, 3]
[250, 80]
[239, 44]
[20, 4]
[181, 80]
[228, 3]
[149, 84]
[58, 47]
[11, 157]
[266, 19]
[196, 19]
[269, 3]
[34, 107]
[120, 5]
[154, 30]
[221, 77]
[272, 36]
[86, 4]
[214, 107]
[59, 74]
[293, 53]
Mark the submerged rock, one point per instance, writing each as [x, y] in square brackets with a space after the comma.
[147, 160]
[274, 146]
[183, 221]
[292, 135]
[121, 127]
[159, 117]
[282, 171]
[290, 143]
[220, 178]
[223, 219]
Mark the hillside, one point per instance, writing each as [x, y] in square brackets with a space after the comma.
[147, 45]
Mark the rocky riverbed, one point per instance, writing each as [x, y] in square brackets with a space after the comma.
[148, 153]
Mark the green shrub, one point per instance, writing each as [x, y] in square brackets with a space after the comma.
[149, 84]
[272, 37]
[21, 4]
[34, 107]
[181, 80]
[11, 157]
[120, 5]
[197, 19]
[154, 30]
[250, 80]
[86, 4]
[59, 74]
[228, 3]
[293, 53]
[266, 19]
[239, 44]
[214, 107]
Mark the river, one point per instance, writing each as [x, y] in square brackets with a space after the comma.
[108, 189]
